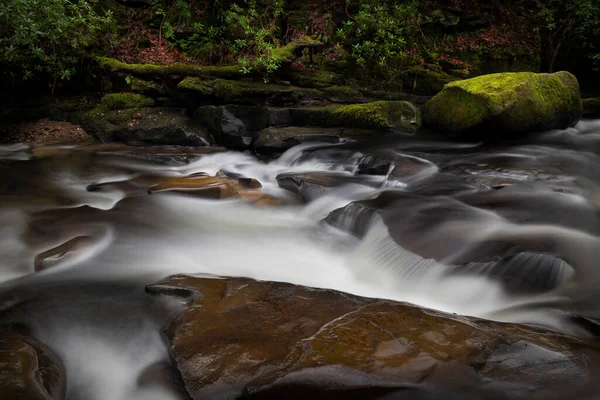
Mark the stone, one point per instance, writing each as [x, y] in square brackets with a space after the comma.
[223, 91]
[29, 370]
[241, 338]
[496, 106]
[216, 187]
[275, 139]
[123, 101]
[591, 107]
[392, 116]
[158, 126]
[312, 185]
[234, 126]
[344, 94]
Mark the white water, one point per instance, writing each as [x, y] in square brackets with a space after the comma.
[107, 339]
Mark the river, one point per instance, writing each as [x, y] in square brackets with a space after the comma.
[506, 232]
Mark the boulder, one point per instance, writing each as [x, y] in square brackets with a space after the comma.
[232, 125]
[591, 107]
[241, 338]
[29, 370]
[497, 106]
[392, 116]
[139, 126]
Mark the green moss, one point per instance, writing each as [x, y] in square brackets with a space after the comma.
[148, 70]
[293, 49]
[123, 101]
[310, 78]
[144, 86]
[507, 102]
[251, 93]
[396, 116]
[198, 85]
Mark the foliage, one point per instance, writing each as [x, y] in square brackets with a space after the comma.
[48, 36]
[575, 21]
[380, 30]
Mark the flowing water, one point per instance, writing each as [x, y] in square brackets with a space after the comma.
[508, 232]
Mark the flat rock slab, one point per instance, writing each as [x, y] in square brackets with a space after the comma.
[241, 338]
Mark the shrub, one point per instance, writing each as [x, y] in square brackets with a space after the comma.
[48, 36]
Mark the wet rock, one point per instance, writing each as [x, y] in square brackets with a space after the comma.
[157, 126]
[331, 343]
[62, 253]
[504, 105]
[280, 139]
[312, 185]
[344, 94]
[29, 370]
[232, 125]
[217, 187]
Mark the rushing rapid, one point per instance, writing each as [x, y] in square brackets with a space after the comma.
[508, 232]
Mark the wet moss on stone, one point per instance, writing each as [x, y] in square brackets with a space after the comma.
[507, 102]
[123, 101]
[149, 70]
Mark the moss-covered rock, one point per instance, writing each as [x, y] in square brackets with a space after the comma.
[591, 107]
[310, 78]
[145, 87]
[344, 94]
[501, 105]
[294, 49]
[124, 101]
[138, 126]
[395, 116]
[166, 71]
[223, 91]
[423, 81]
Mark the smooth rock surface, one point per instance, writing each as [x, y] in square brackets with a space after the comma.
[251, 339]
[29, 370]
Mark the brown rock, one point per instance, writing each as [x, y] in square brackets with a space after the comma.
[29, 370]
[267, 339]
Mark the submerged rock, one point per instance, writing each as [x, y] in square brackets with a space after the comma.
[146, 126]
[327, 344]
[29, 370]
[496, 106]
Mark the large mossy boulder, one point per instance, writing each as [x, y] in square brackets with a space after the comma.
[138, 126]
[29, 370]
[244, 339]
[496, 106]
